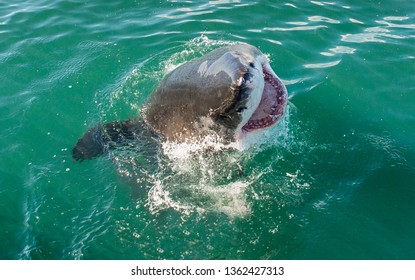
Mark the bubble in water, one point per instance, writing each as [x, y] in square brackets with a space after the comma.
[197, 177]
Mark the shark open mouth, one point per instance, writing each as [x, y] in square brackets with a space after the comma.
[272, 104]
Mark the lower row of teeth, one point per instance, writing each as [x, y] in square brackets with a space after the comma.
[263, 122]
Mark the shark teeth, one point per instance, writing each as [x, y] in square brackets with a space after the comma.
[262, 123]
[275, 110]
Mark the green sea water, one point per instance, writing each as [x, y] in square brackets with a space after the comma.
[335, 179]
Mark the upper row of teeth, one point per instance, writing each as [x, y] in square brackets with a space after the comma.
[271, 80]
[274, 83]
[270, 119]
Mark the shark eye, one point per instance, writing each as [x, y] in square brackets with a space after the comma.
[252, 64]
[240, 109]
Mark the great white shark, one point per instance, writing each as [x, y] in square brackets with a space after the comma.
[230, 92]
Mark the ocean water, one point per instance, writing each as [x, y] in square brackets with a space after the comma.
[335, 179]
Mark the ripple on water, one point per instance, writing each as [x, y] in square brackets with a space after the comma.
[384, 30]
[205, 177]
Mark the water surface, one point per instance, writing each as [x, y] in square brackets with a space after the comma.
[334, 180]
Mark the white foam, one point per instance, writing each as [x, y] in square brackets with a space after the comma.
[229, 199]
[205, 176]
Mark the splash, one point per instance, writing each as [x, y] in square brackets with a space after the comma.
[209, 176]
[202, 177]
[201, 198]
[194, 48]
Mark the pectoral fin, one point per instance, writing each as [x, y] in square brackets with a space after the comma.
[99, 139]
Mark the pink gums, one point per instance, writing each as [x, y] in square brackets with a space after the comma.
[272, 105]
